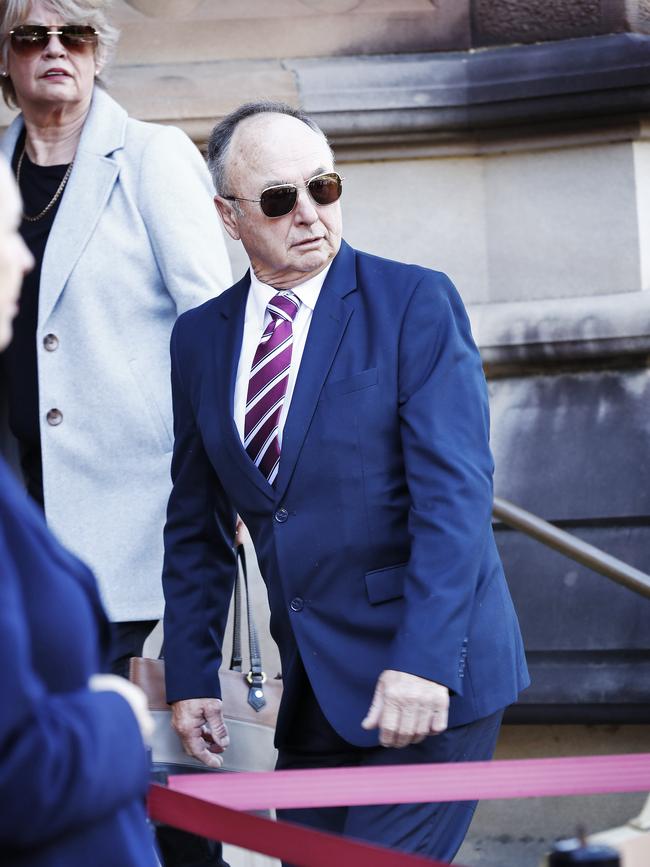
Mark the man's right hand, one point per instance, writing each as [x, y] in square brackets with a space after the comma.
[199, 724]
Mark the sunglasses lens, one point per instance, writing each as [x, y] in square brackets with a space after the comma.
[278, 201]
[78, 37]
[326, 189]
[31, 38]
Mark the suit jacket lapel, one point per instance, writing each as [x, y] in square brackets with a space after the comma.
[330, 319]
[227, 349]
[89, 188]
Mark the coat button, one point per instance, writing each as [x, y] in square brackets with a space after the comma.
[281, 515]
[54, 417]
[51, 342]
[297, 604]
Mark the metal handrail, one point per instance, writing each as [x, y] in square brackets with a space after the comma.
[571, 546]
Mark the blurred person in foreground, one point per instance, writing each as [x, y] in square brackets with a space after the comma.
[118, 217]
[337, 402]
[73, 767]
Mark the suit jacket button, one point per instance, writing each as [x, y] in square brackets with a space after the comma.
[297, 604]
[54, 417]
[51, 342]
[281, 515]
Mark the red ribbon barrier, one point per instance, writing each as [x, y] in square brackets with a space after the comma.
[211, 804]
[293, 843]
[408, 784]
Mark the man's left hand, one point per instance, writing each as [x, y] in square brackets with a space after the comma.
[406, 708]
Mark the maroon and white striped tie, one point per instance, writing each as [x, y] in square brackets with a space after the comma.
[267, 385]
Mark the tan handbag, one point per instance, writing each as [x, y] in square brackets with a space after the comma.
[250, 702]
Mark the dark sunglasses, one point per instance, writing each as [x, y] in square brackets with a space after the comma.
[29, 39]
[279, 200]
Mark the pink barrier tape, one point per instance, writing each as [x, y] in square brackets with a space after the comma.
[407, 784]
[293, 843]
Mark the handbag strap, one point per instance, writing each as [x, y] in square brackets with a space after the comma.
[256, 676]
[236, 655]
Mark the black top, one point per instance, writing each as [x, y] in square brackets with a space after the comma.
[38, 185]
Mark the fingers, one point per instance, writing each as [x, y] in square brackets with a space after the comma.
[200, 726]
[413, 725]
[389, 723]
[440, 719]
[217, 728]
[407, 708]
[373, 716]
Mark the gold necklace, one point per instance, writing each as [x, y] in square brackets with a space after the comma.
[55, 198]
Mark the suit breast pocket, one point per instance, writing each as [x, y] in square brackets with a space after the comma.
[384, 585]
[356, 382]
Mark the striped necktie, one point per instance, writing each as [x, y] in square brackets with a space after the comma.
[267, 385]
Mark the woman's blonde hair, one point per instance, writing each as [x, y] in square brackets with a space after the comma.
[92, 12]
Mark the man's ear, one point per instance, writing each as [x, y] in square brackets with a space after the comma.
[228, 217]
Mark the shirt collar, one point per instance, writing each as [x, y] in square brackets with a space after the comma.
[308, 291]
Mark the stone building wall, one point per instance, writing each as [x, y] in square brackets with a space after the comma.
[507, 143]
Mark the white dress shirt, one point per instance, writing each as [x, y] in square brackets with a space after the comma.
[256, 319]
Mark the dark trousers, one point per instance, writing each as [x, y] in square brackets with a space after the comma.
[434, 830]
[127, 640]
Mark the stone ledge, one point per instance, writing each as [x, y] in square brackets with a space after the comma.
[360, 98]
[196, 95]
[564, 330]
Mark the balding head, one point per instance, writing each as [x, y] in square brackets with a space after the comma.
[15, 258]
[222, 134]
[279, 153]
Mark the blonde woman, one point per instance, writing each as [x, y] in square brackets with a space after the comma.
[118, 216]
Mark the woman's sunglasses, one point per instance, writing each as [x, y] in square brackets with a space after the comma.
[30, 39]
[279, 200]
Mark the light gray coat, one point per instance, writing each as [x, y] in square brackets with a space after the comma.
[136, 241]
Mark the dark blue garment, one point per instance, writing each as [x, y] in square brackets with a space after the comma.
[432, 829]
[376, 541]
[73, 769]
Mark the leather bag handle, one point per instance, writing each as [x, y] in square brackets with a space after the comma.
[256, 676]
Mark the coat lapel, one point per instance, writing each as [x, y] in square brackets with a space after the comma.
[9, 139]
[330, 319]
[227, 349]
[91, 181]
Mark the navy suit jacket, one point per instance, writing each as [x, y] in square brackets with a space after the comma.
[73, 769]
[375, 543]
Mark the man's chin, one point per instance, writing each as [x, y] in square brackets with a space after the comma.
[312, 259]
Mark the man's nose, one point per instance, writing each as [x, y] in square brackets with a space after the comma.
[306, 208]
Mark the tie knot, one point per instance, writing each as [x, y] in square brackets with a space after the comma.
[284, 305]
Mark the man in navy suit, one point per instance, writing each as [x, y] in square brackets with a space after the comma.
[336, 401]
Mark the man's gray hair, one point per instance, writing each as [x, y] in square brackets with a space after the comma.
[221, 135]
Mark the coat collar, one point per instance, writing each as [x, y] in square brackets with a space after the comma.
[91, 181]
[89, 188]
[104, 130]
[329, 321]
